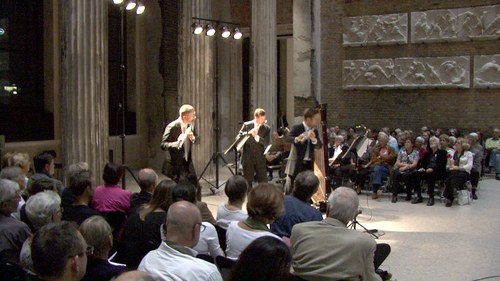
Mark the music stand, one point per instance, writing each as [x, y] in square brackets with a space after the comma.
[237, 145]
[355, 222]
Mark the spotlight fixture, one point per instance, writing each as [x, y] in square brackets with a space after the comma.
[210, 30]
[197, 28]
[225, 32]
[140, 8]
[117, 1]
[131, 5]
[237, 33]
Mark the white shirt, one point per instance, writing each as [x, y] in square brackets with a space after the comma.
[237, 239]
[209, 242]
[226, 216]
[170, 264]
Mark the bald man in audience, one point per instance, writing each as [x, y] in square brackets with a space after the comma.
[148, 180]
[175, 259]
[136, 275]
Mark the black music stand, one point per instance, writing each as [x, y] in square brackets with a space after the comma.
[355, 222]
[236, 146]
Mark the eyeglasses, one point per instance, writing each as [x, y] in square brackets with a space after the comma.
[88, 251]
[202, 227]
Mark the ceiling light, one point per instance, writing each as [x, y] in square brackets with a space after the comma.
[131, 5]
[140, 8]
[117, 1]
[210, 30]
[225, 32]
[237, 33]
[197, 28]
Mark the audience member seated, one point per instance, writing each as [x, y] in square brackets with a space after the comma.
[419, 146]
[297, 206]
[15, 174]
[432, 166]
[67, 197]
[405, 170]
[459, 168]
[327, 250]
[80, 185]
[44, 169]
[13, 233]
[41, 209]
[111, 197]
[382, 160]
[184, 191]
[174, 259]
[342, 162]
[236, 192]
[444, 141]
[266, 258]
[148, 180]
[265, 204]
[391, 141]
[208, 242]
[59, 252]
[143, 230]
[492, 146]
[137, 275]
[36, 187]
[97, 232]
[364, 166]
[477, 152]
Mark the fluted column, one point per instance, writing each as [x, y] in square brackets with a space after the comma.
[196, 81]
[85, 83]
[263, 46]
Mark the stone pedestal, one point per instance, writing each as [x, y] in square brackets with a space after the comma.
[84, 99]
[263, 57]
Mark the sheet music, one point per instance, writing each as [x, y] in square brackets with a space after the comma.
[242, 142]
[184, 135]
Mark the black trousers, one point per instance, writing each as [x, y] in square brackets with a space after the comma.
[255, 167]
[455, 181]
[431, 179]
[409, 178]
[362, 176]
[381, 253]
[341, 172]
[474, 178]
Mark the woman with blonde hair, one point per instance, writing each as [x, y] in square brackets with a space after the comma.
[459, 168]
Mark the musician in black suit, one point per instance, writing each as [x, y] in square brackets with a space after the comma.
[305, 138]
[178, 138]
[253, 158]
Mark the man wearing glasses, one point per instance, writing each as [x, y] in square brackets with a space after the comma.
[175, 259]
[59, 252]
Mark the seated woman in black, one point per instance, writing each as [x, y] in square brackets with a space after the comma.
[432, 167]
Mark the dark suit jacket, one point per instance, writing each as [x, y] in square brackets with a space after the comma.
[139, 199]
[252, 149]
[302, 147]
[441, 160]
[169, 143]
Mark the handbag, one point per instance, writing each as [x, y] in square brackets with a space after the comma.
[464, 197]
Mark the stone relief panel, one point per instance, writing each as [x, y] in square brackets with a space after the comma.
[487, 71]
[368, 74]
[407, 73]
[432, 72]
[475, 23]
[375, 30]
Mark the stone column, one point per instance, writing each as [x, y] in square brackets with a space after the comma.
[84, 98]
[302, 48]
[263, 52]
[196, 80]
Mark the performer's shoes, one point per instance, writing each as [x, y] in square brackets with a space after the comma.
[430, 202]
[417, 200]
[374, 195]
[394, 198]
[449, 203]
[408, 198]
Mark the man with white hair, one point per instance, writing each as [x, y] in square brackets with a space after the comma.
[15, 174]
[350, 255]
[175, 259]
[13, 233]
[432, 167]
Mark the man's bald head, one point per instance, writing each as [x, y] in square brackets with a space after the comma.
[183, 223]
[147, 179]
[136, 276]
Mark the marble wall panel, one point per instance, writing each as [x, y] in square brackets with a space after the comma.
[375, 30]
[487, 71]
[368, 74]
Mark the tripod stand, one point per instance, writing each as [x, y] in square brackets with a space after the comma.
[354, 222]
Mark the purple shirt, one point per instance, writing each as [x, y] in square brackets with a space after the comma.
[111, 199]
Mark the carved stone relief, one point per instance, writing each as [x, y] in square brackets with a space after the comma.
[446, 72]
[375, 30]
[481, 23]
[487, 71]
[368, 74]
[407, 73]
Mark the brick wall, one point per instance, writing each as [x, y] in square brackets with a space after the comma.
[466, 109]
